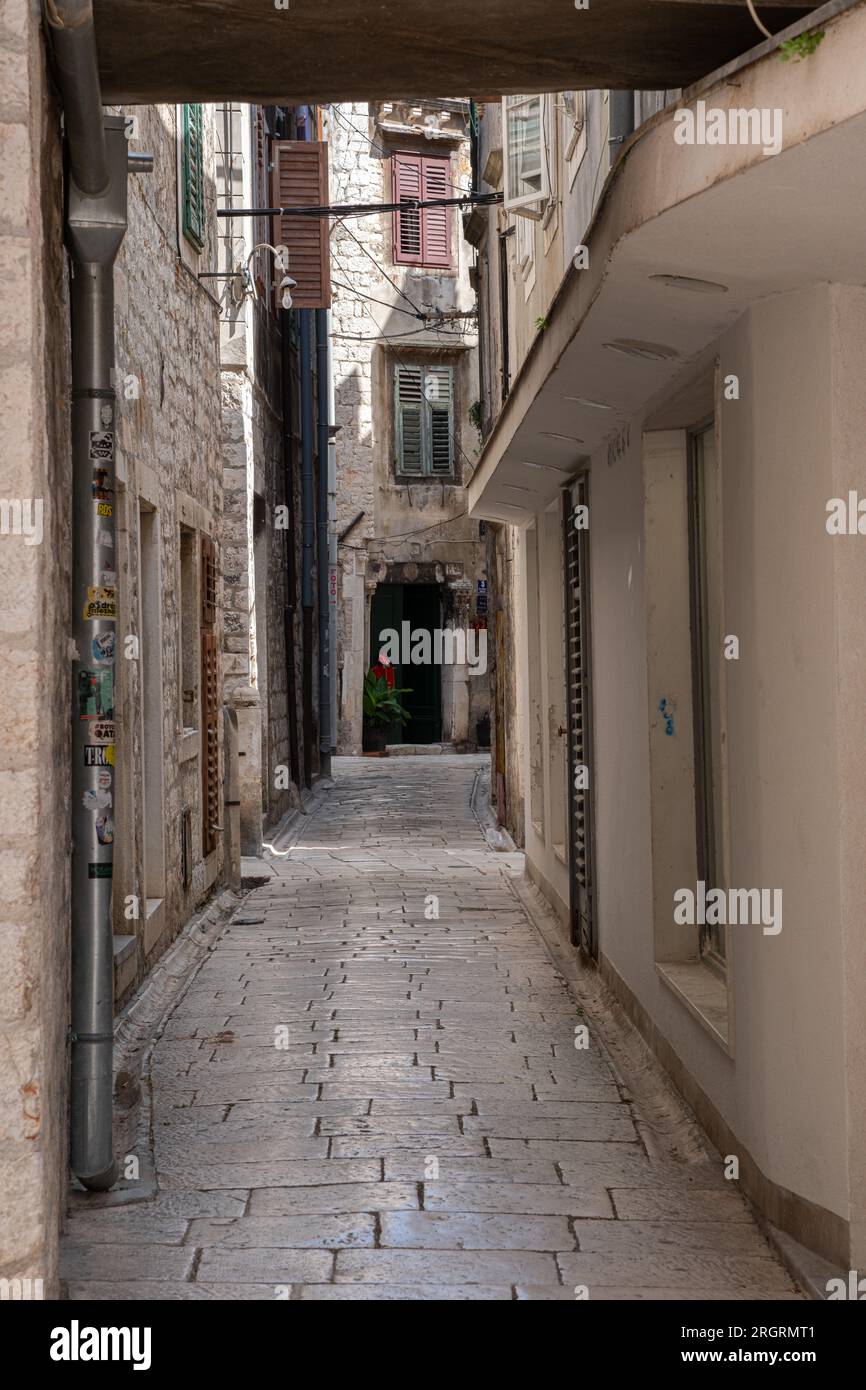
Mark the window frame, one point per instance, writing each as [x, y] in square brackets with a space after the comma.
[426, 473]
[709, 752]
[192, 165]
[189, 648]
[423, 258]
[536, 199]
[574, 133]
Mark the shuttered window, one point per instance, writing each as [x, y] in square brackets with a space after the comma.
[301, 180]
[193, 177]
[424, 398]
[422, 236]
[210, 802]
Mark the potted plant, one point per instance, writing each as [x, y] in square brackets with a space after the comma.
[382, 708]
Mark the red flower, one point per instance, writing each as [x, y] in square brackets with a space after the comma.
[384, 670]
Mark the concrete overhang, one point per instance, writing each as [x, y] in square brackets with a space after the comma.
[751, 224]
[350, 50]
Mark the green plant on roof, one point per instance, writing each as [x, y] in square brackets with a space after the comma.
[803, 46]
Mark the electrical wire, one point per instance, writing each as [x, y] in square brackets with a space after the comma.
[341, 210]
[764, 30]
[389, 337]
[372, 298]
[419, 531]
[418, 310]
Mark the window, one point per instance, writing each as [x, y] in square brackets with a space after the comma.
[193, 177]
[189, 631]
[422, 236]
[526, 177]
[210, 703]
[525, 252]
[504, 316]
[536, 694]
[301, 180]
[707, 659]
[424, 399]
[573, 132]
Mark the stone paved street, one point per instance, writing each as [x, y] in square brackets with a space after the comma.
[356, 1099]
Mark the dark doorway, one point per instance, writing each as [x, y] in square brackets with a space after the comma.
[419, 606]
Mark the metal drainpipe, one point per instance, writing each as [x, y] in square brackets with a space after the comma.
[305, 329]
[306, 371]
[95, 227]
[73, 42]
[332, 531]
[323, 438]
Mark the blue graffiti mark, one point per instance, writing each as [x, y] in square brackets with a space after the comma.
[667, 715]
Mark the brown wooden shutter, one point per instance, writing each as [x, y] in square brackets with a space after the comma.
[408, 186]
[209, 697]
[301, 180]
[436, 222]
[421, 236]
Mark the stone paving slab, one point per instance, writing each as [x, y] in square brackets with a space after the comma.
[408, 1293]
[85, 1290]
[430, 1230]
[356, 1101]
[444, 1267]
[133, 1260]
[334, 1199]
[296, 1232]
[673, 1268]
[541, 1199]
[266, 1266]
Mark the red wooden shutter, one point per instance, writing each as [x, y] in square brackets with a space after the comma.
[210, 800]
[301, 180]
[408, 185]
[436, 222]
[421, 236]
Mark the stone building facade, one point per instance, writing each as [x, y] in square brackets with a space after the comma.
[169, 505]
[164, 819]
[35, 466]
[270, 654]
[670, 435]
[408, 553]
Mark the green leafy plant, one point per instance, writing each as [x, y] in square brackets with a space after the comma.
[475, 415]
[803, 46]
[540, 324]
[381, 705]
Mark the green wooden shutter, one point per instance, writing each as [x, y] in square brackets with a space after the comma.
[425, 420]
[193, 177]
[438, 393]
[410, 426]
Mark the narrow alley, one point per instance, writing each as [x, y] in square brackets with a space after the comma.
[432, 664]
[372, 1090]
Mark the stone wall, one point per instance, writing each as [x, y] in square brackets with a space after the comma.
[257, 542]
[34, 664]
[169, 470]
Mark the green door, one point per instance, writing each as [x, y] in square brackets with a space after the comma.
[420, 606]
